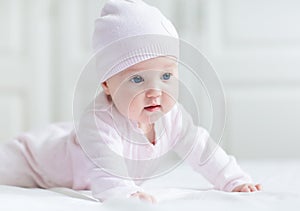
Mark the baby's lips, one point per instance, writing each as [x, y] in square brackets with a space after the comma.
[153, 108]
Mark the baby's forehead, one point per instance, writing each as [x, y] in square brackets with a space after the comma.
[158, 63]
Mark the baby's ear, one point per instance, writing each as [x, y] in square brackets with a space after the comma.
[105, 88]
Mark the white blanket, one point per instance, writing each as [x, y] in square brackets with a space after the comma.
[182, 189]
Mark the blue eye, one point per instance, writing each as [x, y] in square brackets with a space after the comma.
[137, 79]
[166, 76]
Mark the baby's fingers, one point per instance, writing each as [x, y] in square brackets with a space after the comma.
[252, 188]
[258, 187]
[148, 198]
[245, 188]
[144, 197]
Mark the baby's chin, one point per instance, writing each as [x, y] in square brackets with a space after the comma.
[155, 117]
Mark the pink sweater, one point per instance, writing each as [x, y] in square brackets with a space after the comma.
[109, 155]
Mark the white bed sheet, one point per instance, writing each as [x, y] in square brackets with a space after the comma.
[182, 189]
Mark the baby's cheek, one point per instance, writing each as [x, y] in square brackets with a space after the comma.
[122, 102]
[132, 106]
[169, 102]
[171, 90]
[124, 96]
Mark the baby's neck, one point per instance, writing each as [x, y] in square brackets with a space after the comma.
[149, 132]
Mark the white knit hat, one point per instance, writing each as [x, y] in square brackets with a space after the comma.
[128, 32]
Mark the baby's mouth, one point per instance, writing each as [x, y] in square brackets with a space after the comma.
[153, 108]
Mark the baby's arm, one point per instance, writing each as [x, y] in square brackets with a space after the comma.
[107, 169]
[219, 168]
[106, 186]
[209, 159]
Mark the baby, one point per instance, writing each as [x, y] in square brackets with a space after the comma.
[125, 134]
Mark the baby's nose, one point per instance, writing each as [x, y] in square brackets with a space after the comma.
[153, 93]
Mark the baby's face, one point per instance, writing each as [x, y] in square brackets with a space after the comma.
[145, 91]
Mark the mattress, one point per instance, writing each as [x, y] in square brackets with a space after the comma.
[181, 189]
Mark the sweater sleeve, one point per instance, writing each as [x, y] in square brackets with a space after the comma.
[102, 147]
[105, 186]
[207, 157]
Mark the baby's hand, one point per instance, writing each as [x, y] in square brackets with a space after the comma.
[144, 196]
[247, 188]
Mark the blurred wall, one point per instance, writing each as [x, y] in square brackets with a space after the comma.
[254, 45]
